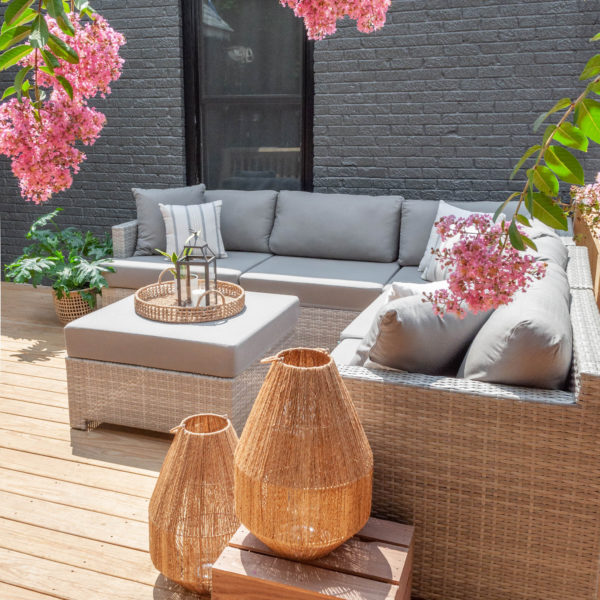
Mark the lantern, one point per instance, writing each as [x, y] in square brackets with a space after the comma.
[196, 252]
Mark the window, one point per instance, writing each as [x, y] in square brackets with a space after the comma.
[248, 95]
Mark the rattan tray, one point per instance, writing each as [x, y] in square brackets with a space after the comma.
[158, 302]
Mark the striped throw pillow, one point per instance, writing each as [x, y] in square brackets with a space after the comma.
[183, 220]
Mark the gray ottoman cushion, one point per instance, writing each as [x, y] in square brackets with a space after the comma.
[337, 226]
[528, 342]
[151, 227]
[246, 218]
[221, 348]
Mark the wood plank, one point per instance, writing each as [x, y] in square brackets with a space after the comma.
[74, 521]
[75, 495]
[237, 574]
[72, 583]
[371, 559]
[12, 592]
[24, 368]
[38, 383]
[36, 445]
[31, 331]
[36, 426]
[85, 474]
[35, 411]
[387, 531]
[32, 357]
[36, 396]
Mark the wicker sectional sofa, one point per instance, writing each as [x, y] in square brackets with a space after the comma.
[501, 482]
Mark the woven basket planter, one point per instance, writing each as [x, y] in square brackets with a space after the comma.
[71, 307]
[303, 467]
[191, 514]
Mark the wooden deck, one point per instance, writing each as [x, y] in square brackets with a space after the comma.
[73, 504]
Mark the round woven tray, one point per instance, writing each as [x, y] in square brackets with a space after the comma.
[158, 302]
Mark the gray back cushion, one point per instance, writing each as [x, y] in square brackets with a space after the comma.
[418, 217]
[409, 336]
[151, 226]
[338, 226]
[246, 218]
[528, 342]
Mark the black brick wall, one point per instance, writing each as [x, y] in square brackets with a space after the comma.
[142, 143]
[440, 103]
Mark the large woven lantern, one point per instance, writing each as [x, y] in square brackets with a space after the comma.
[303, 467]
[191, 513]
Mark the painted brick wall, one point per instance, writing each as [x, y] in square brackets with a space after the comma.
[142, 143]
[440, 102]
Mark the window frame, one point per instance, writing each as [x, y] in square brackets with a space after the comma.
[191, 14]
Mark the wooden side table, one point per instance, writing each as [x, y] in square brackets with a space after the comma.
[376, 564]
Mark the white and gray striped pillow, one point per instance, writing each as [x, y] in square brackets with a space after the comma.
[182, 220]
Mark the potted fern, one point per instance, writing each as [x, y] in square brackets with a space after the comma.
[73, 263]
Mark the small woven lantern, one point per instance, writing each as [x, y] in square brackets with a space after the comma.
[303, 467]
[191, 513]
[196, 252]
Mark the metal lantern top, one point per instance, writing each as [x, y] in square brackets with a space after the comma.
[196, 252]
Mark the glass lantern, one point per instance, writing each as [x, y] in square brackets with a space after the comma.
[196, 252]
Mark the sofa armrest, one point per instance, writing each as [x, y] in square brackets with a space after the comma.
[124, 238]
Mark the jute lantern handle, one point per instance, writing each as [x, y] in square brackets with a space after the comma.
[217, 293]
[167, 270]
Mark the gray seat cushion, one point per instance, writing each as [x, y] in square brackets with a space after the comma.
[418, 217]
[408, 275]
[528, 342]
[337, 226]
[246, 218]
[138, 271]
[341, 284]
[220, 349]
[407, 335]
[361, 325]
[151, 227]
[344, 352]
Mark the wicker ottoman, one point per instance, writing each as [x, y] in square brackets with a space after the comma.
[127, 370]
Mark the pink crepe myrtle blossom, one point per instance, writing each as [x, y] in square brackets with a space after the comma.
[320, 16]
[587, 200]
[485, 271]
[43, 152]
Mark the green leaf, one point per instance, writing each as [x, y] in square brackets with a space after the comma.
[591, 69]
[595, 38]
[14, 55]
[19, 80]
[39, 32]
[549, 212]
[9, 91]
[529, 195]
[54, 7]
[587, 118]
[562, 103]
[81, 4]
[27, 16]
[503, 205]
[15, 10]
[548, 133]
[523, 158]
[564, 164]
[65, 24]
[528, 242]
[571, 136]
[544, 180]
[515, 237]
[62, 50]
[50, 60]
[13, 36]
[522, 219]
[66, 85]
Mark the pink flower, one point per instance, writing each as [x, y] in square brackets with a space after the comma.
[43, 153]
[485, 272]
[587, 200]
[320, 16]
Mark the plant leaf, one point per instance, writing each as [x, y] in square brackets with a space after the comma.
[13, 36]
[569, 135]
[65, 24]
[14, 55]
[50, 60]
[522, 219]
[591, 69]
[503, 205]
[548, 133]
[9, 91]
[544, 180]
[562, 103]
[523, 158]
[66, 85]
[528, 242]
[587, 118]
[19, 80]
[62, 50]
[595, 38]
[564, 164]
[39, 32]
[15, 10]
[549, 212]
[529, 195]
[515, 237]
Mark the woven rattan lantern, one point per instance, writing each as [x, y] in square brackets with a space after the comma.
[303, 467]
[196, 252]
[191, 513]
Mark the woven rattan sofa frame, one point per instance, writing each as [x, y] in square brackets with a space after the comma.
[317, 327]
[502, 483]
